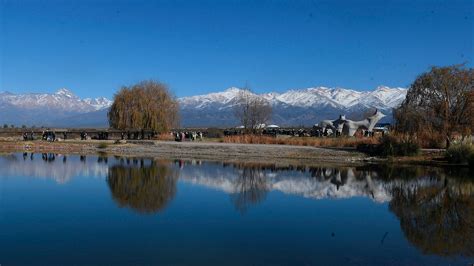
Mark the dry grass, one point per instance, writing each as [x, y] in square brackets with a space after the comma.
[165, 137]
[300, 141]
[431, 139]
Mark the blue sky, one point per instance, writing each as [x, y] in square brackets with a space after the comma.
[94, 47]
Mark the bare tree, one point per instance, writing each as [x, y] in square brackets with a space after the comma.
[252, 110]
[440, 99]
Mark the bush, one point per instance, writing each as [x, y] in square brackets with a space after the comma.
[215, 133]
[392, 146]
[460, 153]
[431, 139]
[471, 161]
[102, 145]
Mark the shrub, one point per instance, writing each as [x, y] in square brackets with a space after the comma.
[431, 139]
[392, 146]
[460, 153]
[215, 133]
[102, 145]
[399, 146]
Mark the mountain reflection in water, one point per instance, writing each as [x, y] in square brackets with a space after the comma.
[435, 206]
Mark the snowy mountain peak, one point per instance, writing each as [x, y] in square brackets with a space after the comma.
[233, 90]
[65, 92]
[99, 103]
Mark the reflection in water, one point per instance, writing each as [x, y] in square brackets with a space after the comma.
[439, 218]
[53, 166]
[250, 187]
[435, 206]
[146, 189]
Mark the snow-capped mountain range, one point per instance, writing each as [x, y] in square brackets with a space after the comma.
[294, 107]
[62, 108]
[62, 100]
[382, 97]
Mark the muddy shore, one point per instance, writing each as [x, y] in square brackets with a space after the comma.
[256, 153]
[216, 151]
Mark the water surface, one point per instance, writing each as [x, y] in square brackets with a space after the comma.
[57, 209]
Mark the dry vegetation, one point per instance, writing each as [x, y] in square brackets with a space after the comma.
[165, 137]
[438, 107]
[146, 105]
[300, 141]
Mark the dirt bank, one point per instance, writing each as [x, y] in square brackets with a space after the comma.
[193, 150]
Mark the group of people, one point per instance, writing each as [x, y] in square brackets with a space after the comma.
[186, 135]
[28, 136]
[46, 135]
[49, 136]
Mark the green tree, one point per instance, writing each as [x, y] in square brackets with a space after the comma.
[146, 105]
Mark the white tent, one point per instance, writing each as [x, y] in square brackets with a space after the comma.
[273, 126]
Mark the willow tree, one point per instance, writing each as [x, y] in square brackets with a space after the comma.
[440, 100]
[146, 105]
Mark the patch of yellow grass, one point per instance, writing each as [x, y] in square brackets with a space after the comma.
[301, 141]
[165, 137]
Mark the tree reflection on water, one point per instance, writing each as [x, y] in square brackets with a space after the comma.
[145, 189]
[437, 219]
[250, 187]
[435, 206]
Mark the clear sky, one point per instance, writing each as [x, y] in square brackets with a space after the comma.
[94, 47]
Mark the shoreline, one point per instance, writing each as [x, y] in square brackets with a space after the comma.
[216, 151]
[209, 151]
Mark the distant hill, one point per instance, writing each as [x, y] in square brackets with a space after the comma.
[292, 108]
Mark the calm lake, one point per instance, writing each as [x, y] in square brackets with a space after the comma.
[57, 209]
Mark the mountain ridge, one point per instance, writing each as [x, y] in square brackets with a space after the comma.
[293, 107]
[290, 108]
